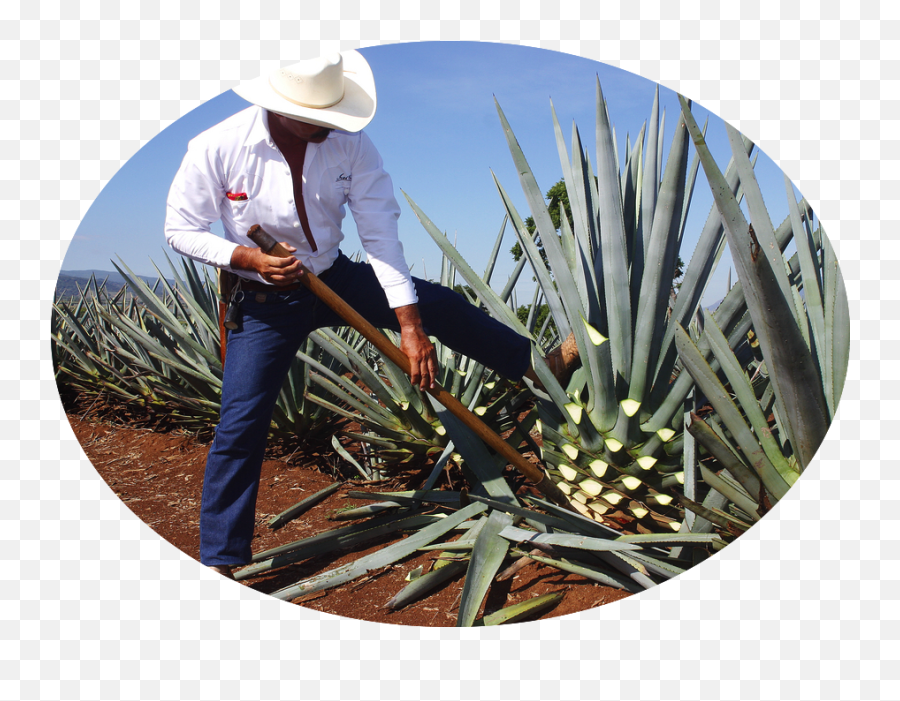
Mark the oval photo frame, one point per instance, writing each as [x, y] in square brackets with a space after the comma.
[699, 289]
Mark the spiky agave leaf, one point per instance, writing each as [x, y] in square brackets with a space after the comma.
[731, 415]
[488, 553]
[797, 385]
[797, 336]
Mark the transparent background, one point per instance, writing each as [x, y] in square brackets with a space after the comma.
[95, 605]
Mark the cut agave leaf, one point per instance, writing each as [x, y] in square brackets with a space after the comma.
[523, 610]
[568, 472]
[591, 487]
[487, 556]
[570, 450]
[630, 407]
[666, 434]
[520, 535]
[595, 336]
[646, 462]
[574, 411]
[302, 507]
[614, 445]
[421, 586]
[631, 482]
[598, 467]
[380, 558]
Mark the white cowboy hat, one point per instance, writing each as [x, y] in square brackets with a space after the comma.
[335, 91]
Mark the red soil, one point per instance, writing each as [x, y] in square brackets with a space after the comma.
[159, 476]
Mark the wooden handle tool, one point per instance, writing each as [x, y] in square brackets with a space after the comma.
[541, 480]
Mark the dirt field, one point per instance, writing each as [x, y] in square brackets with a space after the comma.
[159, 476]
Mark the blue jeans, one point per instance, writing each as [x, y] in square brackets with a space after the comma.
[260, 351]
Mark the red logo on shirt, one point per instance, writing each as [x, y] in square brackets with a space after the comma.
[236, 196]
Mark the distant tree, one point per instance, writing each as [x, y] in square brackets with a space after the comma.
[522, 313]
[465, 291]
[557, 197]
[679, 274]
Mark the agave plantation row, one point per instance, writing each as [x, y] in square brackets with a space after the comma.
[624, 438]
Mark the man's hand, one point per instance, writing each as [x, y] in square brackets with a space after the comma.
[278, 271]
[418, 348]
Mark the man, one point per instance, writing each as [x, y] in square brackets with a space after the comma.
[291, 163]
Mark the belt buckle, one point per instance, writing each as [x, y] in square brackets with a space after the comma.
[261, 297]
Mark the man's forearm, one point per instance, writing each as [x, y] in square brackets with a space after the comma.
[409, 317]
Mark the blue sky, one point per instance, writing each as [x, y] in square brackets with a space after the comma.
[440, 137]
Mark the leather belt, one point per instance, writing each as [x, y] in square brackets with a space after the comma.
[254, 286]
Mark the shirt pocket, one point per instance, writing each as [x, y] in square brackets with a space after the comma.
[241, 197]
[240, 212]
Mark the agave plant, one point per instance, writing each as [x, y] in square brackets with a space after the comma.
[397, 418]
[158, 348]
[612, 436]
[800, 314]
[117, 346]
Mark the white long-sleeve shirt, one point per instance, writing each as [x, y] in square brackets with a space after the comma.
[235, 173]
